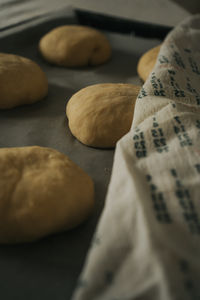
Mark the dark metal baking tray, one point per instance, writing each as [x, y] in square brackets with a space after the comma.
[49, 268]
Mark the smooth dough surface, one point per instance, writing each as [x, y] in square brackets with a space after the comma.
[147, 62]
[75, 46]
[99, 115]
[41, 192]
[22, 81]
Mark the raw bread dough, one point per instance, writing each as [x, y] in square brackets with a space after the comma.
[75, 46]
[41, 192]
[99, 115]
[21, 81]
[147, 62]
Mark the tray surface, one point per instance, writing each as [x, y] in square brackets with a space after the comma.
[49, 268]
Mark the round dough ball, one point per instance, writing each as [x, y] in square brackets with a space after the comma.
[99, 115]
[21, 81]
[41, 192]
[75, 46]
[147, 62]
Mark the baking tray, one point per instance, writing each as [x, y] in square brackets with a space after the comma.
[49, 268]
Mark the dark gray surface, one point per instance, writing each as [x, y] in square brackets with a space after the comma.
[49, 268]
[162, 12]
[193, 6]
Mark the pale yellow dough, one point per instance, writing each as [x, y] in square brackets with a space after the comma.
[75, 46]
[41, 192]
[147, 62]
[99, 115]
[22, 81]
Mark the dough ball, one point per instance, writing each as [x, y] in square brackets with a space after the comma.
[99, 115]
[147, 62]
[21, 81]
[75, 46]
[41, 192]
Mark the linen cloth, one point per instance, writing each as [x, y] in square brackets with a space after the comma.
[147, 242]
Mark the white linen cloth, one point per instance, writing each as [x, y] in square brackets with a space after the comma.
[147, 243]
